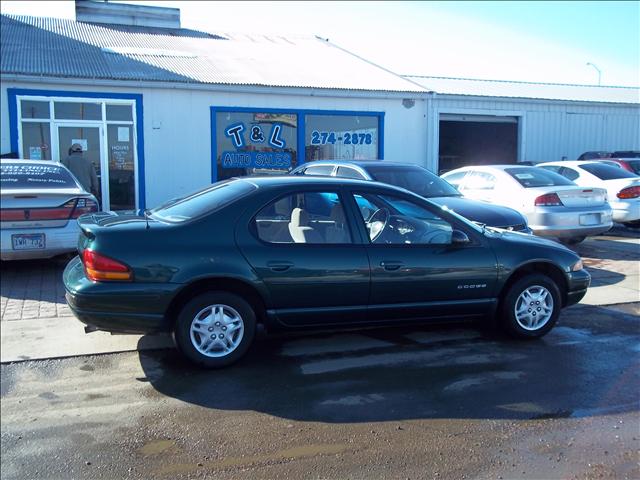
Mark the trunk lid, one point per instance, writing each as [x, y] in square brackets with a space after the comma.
[37, 209]
[574, 196]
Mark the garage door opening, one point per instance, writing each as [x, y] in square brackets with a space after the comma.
[477, 140]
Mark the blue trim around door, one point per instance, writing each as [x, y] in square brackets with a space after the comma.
[301, 128]
[12, 93]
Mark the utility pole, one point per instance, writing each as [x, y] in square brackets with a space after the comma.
[599, 72]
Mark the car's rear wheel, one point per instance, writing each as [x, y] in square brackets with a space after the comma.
[531, 306]
[215, 329]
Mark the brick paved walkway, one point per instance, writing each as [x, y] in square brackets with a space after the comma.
[32, 289]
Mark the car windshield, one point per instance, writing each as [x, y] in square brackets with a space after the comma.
[606, 172]
[532, 177]
[415, 179]
[35, 175]
[202, 202]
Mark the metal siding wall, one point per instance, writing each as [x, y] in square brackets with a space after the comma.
[554, 130]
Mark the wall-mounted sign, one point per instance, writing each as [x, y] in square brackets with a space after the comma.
[269, 160]
[123, 134]
[35, 153]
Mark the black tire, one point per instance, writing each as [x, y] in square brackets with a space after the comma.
[572, 240]
[509, 321]
[182, 329]
[634, 224]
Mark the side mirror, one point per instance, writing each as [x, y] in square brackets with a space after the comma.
[458, 237]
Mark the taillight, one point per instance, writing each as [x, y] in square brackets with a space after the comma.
[84, 205]
[548, 200]
[99, 267]
[71, 209]
[629, 192]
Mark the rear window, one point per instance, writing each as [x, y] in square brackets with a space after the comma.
[635, 165]
[34, 175]
[531, 177]
[627, 154]
[606, 172]
[415, 179]
[202, 202]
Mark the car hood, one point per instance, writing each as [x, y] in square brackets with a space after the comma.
[489, 214]
[523, 240]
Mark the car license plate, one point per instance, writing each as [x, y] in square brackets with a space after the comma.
[31, 241]
[590, 219]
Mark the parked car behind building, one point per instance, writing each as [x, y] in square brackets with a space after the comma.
[554, 206]
[623, 187]
[41, 201]
[421, 181]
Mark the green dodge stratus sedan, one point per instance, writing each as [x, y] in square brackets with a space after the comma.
[308, 252]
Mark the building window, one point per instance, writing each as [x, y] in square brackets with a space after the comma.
[36, 140]
[104, 128]
[341, 137]
[255, 142]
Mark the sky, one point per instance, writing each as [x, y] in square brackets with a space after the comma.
[525, 41]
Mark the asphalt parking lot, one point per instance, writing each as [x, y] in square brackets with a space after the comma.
[405, 402]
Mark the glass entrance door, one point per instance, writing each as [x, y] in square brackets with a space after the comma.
[90, 138]
[121, 167]
[115, 164]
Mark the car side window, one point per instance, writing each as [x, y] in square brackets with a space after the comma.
[347, 172]
[480, 181]
[304, 217]
[323, 170]
[455, 179]
[395, 220]
[569, 173]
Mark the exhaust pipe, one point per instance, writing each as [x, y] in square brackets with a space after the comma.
[90, 328]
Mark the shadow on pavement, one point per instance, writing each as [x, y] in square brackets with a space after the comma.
[409, 373]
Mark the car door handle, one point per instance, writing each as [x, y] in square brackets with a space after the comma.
[390, 265]
[279, 266]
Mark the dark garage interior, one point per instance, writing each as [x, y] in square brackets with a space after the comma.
[464, 142]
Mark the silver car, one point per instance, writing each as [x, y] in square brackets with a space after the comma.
[622, 186]
[41, 201]
[554, 206]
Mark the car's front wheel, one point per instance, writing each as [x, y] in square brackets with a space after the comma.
[531, 306]
[215, 329]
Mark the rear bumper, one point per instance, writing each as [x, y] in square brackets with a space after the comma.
[569, 222]
[577, 285]
[119, 307]
[626, 211]
[58, 240]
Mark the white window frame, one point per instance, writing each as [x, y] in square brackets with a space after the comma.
[55, 123]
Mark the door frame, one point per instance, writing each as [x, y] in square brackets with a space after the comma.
[14, 95]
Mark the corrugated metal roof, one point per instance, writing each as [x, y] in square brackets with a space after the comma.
[66, 48]
[548, 91]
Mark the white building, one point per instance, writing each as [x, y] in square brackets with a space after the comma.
[163, 110]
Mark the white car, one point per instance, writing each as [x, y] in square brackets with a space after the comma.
[554, 206]
[623, 187]
[41, 201]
